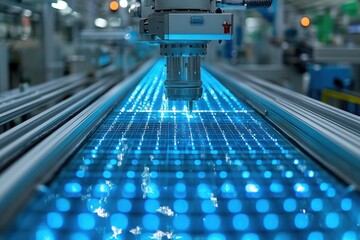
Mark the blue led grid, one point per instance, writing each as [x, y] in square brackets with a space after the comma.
[153, 170]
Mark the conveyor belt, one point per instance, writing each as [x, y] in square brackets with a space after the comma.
[157, 171]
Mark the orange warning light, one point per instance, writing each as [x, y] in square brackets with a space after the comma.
[114, 6]
[305, 22]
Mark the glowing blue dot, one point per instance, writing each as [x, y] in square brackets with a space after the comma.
[87, 161]
[197, 162]
[245, 174]
[237, 163]
[124, 205]
[301, 187]
[346, 204]
[216, 236]
[228, 190]
[331, 192]
[180, 190]
[317, 204]
[324, 186]
[289, 174]
[250, 236]
[301, 220]
[276, 187]
[113, 162]
[181, 206]
[207, 206]
[241, 222]
[134, 162]
[152, 191]
[80, 174]
[177, 162]
[107, 174]
[310, 173]
[252, 188]
[151, 222]
[315, 236]
[350, 235]
[332, 220]
[223, 174]
[86, 221]
[234, 206]
[204, 191]
[179, 175]
[267, 174]
[101, 190]
[218, 162]
[72, 188]
[212, 222]
[151, 205]
[262, 205]
[156, 162]
[119, 221]
[154, 175]
[201, 175]
[290, 205]
[129, 190]
[55, 220]
[130, 174]
[62, 204]
[79, 236]
[181, 222]
[44, 234]
[271, 221]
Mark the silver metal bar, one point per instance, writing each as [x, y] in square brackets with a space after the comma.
[330, 135]
[41, 163]
[18, 139]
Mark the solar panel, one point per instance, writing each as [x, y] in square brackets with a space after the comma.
[154, 170]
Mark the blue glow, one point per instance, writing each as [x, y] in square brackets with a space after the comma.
[252, 188]
[179, 175]
[350, 235]
[315, 236]
[250, 236]
[101, 190]
[317, 205]
[93, 204]
[198, 37]
[241, 222]
[301, 220]
[119, 220]
[290, 205]
[151, 222]
[346, 204]
[181, 206]
[129, 190]
[44, 234]
[202, 175]
[181, 222]
[153, 191]
[124, 205]
[332, 220]
[204, 191]
[130, 174]
[276, 187]
[72, 188]
[216, 236]
[301, 187]
[180, 190]
[262, 205]
[86, 221]
[234, 205]
[207, 206]
[63, 204]
[271, 221]
[151, 205]
[55, 220]
[107, 174]
[228, 190]
[223, 174]
[212, 222]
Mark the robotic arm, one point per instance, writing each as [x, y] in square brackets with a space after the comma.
[183, 28]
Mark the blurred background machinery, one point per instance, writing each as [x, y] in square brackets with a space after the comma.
[179, 119]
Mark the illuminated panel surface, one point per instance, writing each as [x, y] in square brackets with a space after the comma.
[221, 172]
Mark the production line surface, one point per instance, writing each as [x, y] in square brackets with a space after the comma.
[154, 170]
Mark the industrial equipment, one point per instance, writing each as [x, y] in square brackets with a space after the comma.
[183, 29]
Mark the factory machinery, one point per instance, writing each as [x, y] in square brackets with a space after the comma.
[246, 159]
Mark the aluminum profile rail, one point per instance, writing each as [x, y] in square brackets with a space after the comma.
[41, 163]
[330, 135]
[20, 138]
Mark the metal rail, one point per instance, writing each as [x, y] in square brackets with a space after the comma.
[41, 163]
[330, 135]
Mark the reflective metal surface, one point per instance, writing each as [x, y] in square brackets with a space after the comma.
[158, 171]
